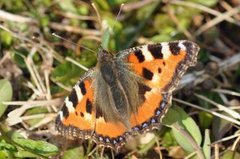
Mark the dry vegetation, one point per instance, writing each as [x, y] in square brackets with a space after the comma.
[38, 69]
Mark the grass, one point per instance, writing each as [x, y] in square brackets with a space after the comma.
[47, 45]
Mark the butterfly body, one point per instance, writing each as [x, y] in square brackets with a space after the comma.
[116, 89]
[126, 93]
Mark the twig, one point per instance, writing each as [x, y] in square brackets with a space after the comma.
[226, 6]
[62, 86]
[220, 106]
[73, 29]
[16, 35]
[225, 91]
[72, 15]
[198, 77]
[56, 101]
[23, 38]
[225, 139]
[234, 146]
[15, 18]
[203, 8]
[32, 72]
[48, 118]
[76, 63]
[216, 151]
[209, 111]
[97, 12]
[217, 20]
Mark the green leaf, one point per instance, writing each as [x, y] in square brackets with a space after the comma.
[5, 94]
[76, 152]
[25, 154]
[68, 5]
[6, 38]
[103, 5]
[116, 2]
[105, 39]
[205, 119]
[206, 145]
[67, 73]
[182, 139]
[171, 117]
[37, 147]
[182, 125]
[231, 155]
[168, 139]
[220, 127]
[6, 146]
[161, 38]
[4, 154]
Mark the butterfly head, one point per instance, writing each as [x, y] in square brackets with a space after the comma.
[104, 55]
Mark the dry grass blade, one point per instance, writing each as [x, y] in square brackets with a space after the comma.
[225, 139]
[15, 18]
[217, 20]
[75, 16]
[203, 8]
[76, 63]
[72, 29]
[209, 111]
[47, 70]
[199, 77]
[48, 118]
[15, 115]
[221, 107]
[225, 91]
[235, 144]
[55, 101]
[216, 151]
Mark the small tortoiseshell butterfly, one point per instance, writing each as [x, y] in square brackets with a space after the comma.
[126, 93]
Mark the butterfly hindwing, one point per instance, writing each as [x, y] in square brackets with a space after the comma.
[80, 118]
[77, 117]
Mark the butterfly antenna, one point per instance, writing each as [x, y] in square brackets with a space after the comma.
[84, 47]
[97, 12]
[118, 15]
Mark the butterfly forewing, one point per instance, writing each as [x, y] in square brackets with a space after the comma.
[163, 64]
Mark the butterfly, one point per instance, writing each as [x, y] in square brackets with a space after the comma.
[127, 93]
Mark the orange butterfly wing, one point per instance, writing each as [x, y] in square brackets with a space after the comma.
[78, 118]
[161, 66]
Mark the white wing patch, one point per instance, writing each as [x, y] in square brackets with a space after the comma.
[78, 92]
[147, 55]
[166, 50]
[69, 105]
